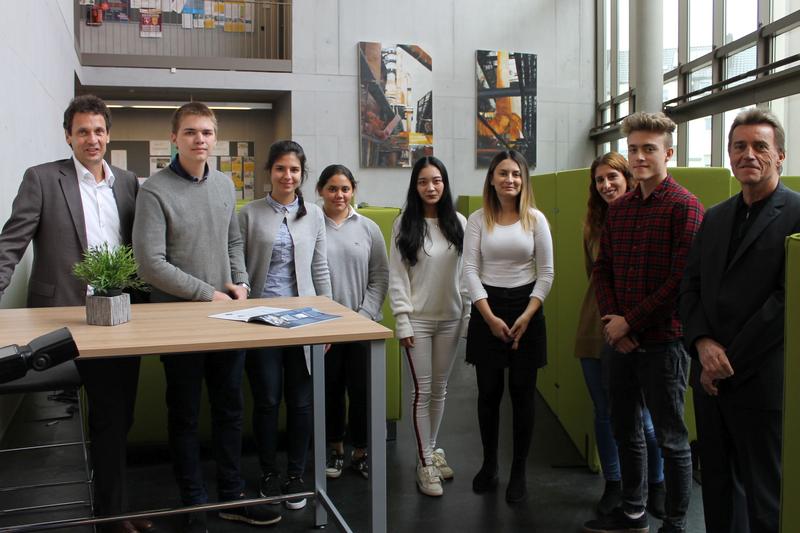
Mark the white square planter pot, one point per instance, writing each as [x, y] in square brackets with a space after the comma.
[108, 310]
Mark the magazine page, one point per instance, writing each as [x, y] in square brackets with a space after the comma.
[244, 315]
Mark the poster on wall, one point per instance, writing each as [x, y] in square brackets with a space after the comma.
[506, 115]
[150, 23]
[395, 104]
[115, 11]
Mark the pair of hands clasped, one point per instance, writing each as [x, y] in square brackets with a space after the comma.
[513, 334]
[235, 292]
[616, 331]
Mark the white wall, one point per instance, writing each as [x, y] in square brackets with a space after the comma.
[324, 80]
[39, 61]
[37, 52]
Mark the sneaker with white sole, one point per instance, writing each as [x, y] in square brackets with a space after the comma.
[255, 515]
[440, 462]
[294, 485]
[335, 464]
[360, 465]
[270, 486]
[428, 480]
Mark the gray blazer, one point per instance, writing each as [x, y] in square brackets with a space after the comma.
[48, 211]
[259, 225]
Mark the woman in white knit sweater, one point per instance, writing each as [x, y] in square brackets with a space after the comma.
[428, 305]
[508, 268]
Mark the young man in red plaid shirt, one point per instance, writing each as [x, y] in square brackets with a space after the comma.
[643, 252]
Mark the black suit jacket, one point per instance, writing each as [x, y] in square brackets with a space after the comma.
[48, 211]
[741, 305]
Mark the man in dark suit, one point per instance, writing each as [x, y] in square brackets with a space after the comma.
[732, 308]
[66, 207]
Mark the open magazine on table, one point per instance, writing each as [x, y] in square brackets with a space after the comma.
[277, 316]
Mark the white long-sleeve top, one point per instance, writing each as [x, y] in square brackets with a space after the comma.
[431, 289]
[507, 256]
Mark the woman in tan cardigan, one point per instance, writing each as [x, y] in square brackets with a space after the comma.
[610, 178]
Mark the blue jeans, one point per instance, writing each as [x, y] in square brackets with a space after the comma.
[606, 445]
[655, 375]
[222, 372]
[276, 372]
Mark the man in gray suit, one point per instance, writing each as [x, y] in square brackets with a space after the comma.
[732, 308]
[66, 207]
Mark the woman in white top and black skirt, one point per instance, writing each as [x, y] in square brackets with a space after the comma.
[508, 269]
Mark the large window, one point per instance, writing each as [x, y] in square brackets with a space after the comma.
[714, 62]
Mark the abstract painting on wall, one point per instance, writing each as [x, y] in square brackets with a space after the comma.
[395, 104]
[506, 104]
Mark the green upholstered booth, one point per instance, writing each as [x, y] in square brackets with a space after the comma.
[150, 424]
[466, 205]
[793, 182]
[384, 217]
[562, 197]
[790, 511]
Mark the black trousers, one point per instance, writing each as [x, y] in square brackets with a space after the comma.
[110, 386]
[346, 370]
[740, 449]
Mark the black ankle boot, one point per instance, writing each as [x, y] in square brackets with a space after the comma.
[612, 497]
[517, 489]
[486, 478]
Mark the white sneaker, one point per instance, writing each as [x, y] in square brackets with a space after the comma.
[440, 462]
[428, 480]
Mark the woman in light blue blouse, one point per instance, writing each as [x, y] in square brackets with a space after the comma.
[284, 240]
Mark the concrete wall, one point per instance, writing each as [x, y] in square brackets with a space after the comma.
[39, 62]
[324, 81]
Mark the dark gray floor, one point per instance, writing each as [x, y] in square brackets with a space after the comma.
[562, 491]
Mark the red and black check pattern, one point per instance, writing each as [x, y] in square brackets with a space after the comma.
[643, 252]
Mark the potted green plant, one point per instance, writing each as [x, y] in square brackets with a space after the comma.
[108, 271]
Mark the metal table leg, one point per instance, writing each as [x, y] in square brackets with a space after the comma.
[377, 436]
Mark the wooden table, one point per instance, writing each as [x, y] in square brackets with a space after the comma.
[157, 329]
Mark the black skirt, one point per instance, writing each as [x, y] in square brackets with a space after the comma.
[508, 304]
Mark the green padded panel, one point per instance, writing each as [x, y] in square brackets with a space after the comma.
[793, 182]
[711, 185]
[384, 217]
[466, 205]
[790, 511]
[575, 409]
[544, 191]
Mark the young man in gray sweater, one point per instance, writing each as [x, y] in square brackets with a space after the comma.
[187, 243]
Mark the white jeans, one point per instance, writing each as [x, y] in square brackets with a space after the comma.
[430, 362]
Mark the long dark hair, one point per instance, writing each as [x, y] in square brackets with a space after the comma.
[280, 149]
[596, 207]
[412, 222]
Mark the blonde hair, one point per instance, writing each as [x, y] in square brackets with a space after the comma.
[525, 201]
[652, 122]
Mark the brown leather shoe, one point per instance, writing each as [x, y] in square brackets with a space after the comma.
[142, 524]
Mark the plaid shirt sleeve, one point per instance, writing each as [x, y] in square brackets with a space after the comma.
[687, 215]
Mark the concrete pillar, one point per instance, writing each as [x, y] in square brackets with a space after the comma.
[647, 51]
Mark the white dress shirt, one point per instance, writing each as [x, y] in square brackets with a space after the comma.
[100, 213]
